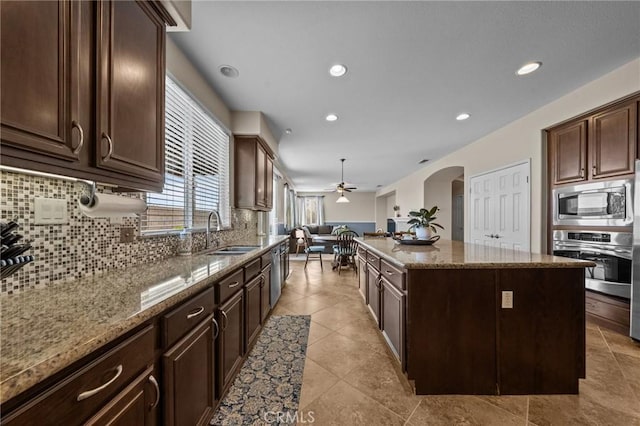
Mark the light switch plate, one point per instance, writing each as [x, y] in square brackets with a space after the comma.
[507, 300]
[50, 211]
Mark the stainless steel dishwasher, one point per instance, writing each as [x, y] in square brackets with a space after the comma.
[276, 279]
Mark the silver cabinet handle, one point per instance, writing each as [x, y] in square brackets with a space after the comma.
[234, 284]
[77, 125]
[154, 382]
[196, 312]
[217, 333]
[90, 393]
[594, 169]
[389, 272]
[582, 172]
[225, 318]
[110, 152]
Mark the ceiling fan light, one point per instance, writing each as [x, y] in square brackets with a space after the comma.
[342, 199]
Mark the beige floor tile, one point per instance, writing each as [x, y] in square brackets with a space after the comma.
[575, 410]
[315, 381]
[289, 296]
[595, 339]
[366, 331]
[317, 332]
[621, 343]
[515, 404]
[630, 367]
[281, 310]
[335, 318]
[305, 306]
[344, 405]
[380, 380]
[461, 410]
[339, 354]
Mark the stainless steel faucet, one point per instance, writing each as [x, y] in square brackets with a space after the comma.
[218, 226]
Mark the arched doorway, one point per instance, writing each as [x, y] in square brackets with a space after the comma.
[445, 189]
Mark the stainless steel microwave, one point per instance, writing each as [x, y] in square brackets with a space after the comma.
[607, 203]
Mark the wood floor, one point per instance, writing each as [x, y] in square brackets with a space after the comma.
[350, 378]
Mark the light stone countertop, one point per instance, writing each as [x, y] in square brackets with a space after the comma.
[447, 254]
[44, 330]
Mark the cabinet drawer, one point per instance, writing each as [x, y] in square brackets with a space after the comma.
[230, 285]
[251, 270]
[373, 260]
[178, 322]
[266, 259]
[83, 393]
[394, 275]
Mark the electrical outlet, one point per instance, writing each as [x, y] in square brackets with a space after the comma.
[127, 234]
[507, 300]
[50, 211]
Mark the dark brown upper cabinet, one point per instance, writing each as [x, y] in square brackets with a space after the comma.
[568, 150]
[601, 144]
[82, 89]
[39, 77]
[253, 173]
[130, 89]
[612, 141]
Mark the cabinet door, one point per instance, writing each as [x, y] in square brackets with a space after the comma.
[268, 180]
[261, 186]
[130, 89]
[373, 293]
[39, 69]
[568, 150]
[231, 340]
[393, 323]
[253, 300]
[265, 294]
[135, 405]
[362, 278]
[612, 141]
[188, 377]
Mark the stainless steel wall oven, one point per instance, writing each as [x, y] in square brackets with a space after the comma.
[610, 251]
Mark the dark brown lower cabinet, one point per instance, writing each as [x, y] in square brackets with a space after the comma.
[188, 377]
[392, 324]
[231, 340]
[362, 278]
[265, 294]
[373, 292]
[253, 300]
[137, 404]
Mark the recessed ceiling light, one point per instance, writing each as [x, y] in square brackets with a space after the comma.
[229, 71]
[338, 70]
[288, 131]
[529, 68]
[463, 116]
[331, 117]
[424, 160]
[378, 186]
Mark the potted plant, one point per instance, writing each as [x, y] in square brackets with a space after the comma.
[423, 222]
[396, 209]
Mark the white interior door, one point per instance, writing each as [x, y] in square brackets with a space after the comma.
[500, 213]
[482, 210]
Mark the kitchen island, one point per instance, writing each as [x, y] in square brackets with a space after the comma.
[469, 319]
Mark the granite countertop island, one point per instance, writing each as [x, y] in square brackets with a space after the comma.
[44, 330]
[469, 319]
[447, 254]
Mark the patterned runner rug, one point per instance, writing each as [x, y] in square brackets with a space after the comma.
[267, 389]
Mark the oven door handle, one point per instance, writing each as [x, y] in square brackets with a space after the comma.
[625, 254]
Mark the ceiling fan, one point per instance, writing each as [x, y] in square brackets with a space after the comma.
[343, 187]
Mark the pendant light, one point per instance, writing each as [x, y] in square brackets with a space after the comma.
[342, 199]
[341, 187]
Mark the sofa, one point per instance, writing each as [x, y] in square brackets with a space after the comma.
[314, 230]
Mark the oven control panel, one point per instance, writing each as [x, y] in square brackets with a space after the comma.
[589, 236]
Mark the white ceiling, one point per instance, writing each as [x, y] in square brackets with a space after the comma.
[413, 66]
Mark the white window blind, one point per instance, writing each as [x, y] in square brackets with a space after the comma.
[196, 168]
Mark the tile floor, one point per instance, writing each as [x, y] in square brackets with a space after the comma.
[350, 378]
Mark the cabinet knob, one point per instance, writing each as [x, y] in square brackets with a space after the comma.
[110, 142]
[75, 124]
[154, 382]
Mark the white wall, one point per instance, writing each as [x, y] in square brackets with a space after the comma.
[520, 140]
[437, 192]
[190, 78]
[361, 206]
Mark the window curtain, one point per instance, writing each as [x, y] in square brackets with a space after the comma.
[310, 210]
[320, 204]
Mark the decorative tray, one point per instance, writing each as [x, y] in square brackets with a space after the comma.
[416, 242]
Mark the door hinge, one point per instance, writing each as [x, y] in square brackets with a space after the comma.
[527, 179]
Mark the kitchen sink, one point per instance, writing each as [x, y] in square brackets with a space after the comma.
[230, 250]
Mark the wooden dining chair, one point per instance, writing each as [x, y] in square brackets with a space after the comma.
[344, 251]
[312, 250]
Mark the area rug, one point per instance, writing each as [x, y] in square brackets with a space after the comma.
[267, 389]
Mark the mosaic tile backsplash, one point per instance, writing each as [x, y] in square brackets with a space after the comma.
[86, 246]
